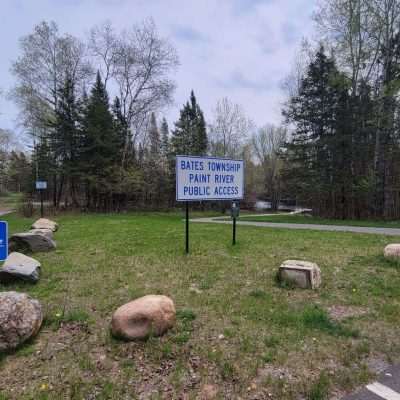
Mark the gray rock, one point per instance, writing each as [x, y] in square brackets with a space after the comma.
[19, 266]
[31, 242]
[303, 274]
[45, 232]
[44, 223]
[20, 319]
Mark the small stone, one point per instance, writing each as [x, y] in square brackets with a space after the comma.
[44, 223]
[209, 392]
[221, 337]
[303, 274]
[20, 319]
[20, 266]
[392, 251]
[148, 315]
[194, 288]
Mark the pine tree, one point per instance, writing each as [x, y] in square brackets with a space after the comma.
[199, 142]
[101, 143]
[318, 151]
[190, 135]
[19, 171]
[65, 141]
[164, 138]
[154, 136]
[120, 123]
[181, 135]
[43, 163]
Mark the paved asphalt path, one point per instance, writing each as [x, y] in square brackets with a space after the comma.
[386, 387]
[5, 212]
[335, 228]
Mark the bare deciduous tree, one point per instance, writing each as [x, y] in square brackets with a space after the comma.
[267, 143]
[357, 31]
[292, 82]
[229, 129]
[40, 71]
[103, 46]
[139, 62]
[8, 142]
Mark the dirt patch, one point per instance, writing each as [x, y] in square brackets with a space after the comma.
[269, 373]
[339, 313]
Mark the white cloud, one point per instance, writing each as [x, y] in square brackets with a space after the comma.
[241, 49]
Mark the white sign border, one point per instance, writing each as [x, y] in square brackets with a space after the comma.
[208, 158]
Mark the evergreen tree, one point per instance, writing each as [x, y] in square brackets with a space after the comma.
[120, 123]
[65, 141]
[181, 135]
[190, 135]
[19, 171]
[43, 163]
[199, 141]
[154, 136]
[318, 153]
[101, 143]
[164, 138]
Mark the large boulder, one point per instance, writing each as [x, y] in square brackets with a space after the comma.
[44, 223]
[303, 274]
[392, 251]
[30, 242]
[143, 317]
[20, 319]
[45, 232]
[20, 266]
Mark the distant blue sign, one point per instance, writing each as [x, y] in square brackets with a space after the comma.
[41, 185]
[3, 240]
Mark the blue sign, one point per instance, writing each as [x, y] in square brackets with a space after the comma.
[209, 178]
[41, 185]
[3, 240]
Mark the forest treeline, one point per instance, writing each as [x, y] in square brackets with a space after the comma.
[94, 109]
[344, 156]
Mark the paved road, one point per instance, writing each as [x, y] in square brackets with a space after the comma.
[386, 387]
[335, 228]
[3, 212]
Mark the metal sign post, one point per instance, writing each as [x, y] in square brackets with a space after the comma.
[234, 232]
[234, 214]
[187, 227]
[41, 185]
[41, 204]
[208, 178]
[3, 240]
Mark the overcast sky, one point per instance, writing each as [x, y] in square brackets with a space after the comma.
[241, 49]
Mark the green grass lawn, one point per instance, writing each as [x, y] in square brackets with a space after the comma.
[236, 328]
[304, 219]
